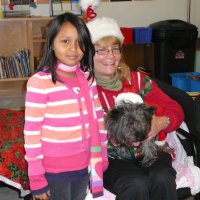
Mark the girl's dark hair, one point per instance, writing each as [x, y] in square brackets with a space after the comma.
[48, 62]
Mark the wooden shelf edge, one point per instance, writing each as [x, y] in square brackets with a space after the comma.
[14, 79]
[35, 40]
[27, 18]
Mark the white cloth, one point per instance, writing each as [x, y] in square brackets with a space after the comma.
[107, 196]
[188, 175]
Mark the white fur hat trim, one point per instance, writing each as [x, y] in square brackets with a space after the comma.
[104, 27]
[128, 96]
[84, 4]
[160, 143]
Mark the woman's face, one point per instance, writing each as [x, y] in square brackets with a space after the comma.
[66, 46]
[106, 59]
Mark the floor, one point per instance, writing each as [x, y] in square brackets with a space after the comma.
[10, 193]
[7, 193]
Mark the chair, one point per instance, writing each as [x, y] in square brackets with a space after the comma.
[197, 127]
[191, 110]
[197, 114]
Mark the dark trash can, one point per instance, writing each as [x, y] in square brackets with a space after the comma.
[174, 47]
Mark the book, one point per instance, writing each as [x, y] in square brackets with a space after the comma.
[17, 66]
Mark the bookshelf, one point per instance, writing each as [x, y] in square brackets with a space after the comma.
[29, 33]
[17, 34]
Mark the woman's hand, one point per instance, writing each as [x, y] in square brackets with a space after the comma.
[158, 123]
[43, 196]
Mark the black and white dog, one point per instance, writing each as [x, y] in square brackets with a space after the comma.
[128, 124]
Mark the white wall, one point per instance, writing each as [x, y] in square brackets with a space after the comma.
[142, 13]
[195, 16]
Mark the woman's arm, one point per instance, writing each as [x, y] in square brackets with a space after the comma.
[172, 113]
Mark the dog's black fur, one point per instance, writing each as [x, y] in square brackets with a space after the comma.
[128, 123]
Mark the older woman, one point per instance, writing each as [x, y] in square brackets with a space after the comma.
[129, 180]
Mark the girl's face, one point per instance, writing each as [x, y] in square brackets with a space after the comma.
[66, 47]
[106, 59]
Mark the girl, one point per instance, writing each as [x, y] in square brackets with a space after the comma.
[64, 128]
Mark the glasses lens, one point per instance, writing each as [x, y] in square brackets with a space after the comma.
[102, 51]
[116, 50]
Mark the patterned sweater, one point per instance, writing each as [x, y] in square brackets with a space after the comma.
[57, 137]
[150, 92]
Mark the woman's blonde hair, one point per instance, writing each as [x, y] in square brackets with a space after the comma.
[123, 69]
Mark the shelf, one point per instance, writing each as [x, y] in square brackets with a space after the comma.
[32, 18]
[13, 79]
[17, 34]
[194, 94]
[38, 40]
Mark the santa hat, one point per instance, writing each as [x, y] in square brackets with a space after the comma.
[128, 97]
[84, 4]
[104, 27]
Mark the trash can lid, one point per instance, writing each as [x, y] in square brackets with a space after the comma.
[168, 29]
[172, 24]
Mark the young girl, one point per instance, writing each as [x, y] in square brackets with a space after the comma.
[64, 128]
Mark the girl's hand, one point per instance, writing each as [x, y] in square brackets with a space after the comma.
[43, 196]
[158, 123]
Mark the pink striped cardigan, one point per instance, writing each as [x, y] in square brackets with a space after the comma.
[56, 137]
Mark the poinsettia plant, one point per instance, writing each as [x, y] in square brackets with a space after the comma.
[12, 163]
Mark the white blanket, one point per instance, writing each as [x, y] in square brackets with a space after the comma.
[188, 175]
[107, 196]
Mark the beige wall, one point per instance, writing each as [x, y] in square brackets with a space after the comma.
[142, 13]
[195, 14]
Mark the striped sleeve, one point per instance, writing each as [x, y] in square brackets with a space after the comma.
[34, 115]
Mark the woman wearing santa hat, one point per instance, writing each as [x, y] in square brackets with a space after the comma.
[128, 179]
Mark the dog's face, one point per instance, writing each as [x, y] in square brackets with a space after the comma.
[129, 123]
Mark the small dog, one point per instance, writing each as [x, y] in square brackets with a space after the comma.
[128, 124]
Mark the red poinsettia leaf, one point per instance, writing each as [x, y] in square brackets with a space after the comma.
[12, 163]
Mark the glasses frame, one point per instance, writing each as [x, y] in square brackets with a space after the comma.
[106, 51]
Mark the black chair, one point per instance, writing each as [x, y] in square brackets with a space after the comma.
[197, 124]
[197, 114]
[191, 110]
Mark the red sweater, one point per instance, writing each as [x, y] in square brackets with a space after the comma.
[151, 93]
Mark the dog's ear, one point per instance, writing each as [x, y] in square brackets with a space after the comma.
[114, 123]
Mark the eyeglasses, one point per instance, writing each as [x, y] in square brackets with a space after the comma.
[104, 51]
